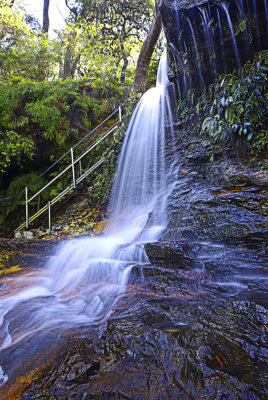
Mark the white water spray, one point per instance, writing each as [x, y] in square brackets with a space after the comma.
[83, 282]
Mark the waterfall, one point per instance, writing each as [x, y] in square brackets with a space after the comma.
[141, 176]
[245, 33]
[209, 39]
[231, 29]
[188, 81]
[183, 67]
[256, 24]
[177, 22]
[201, 80]
[221, 41]
[82, 283]
[247, 6]
[266, 15]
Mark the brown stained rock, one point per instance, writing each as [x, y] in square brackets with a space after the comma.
[24, 255]
[165, 254]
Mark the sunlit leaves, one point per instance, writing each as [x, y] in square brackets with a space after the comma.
[23, 51]
[117, 28]
[12, 148]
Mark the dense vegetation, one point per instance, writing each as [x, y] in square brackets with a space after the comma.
[55, 88]
[235, 107]
[32, 114]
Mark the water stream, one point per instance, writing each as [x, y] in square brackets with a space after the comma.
[266, 15]
[209, 40]
[257, 24]
[197, 55]
[82, 283]
[199, 326]
[221, 40]
[225, 8]
[245, 31]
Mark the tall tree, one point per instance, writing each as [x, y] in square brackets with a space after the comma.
[143, 64]
[46, 16]
[71, 52]
[6, 3]
[117, 22]
[24, 51]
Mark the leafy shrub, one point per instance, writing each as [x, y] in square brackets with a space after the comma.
[235, 106]
[240, 106]
[35, 112]
[13, 147]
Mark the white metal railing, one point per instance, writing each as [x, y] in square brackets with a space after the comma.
[75, 179]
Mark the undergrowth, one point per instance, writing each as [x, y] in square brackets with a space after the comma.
[235, 106]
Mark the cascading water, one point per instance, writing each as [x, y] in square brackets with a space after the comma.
[141, 176]
[218, 36]
[245, 32]
[82, 283]
[256, 24]
[266, 15]
[197, 56]
[225, 8]
[221, 41]
[209, 39]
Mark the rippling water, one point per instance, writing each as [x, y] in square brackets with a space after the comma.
[81, 284]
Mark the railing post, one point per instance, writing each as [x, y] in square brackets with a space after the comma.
[72, 157]
[49, 217]
[26, 208]
[120, 113]
[80, 167]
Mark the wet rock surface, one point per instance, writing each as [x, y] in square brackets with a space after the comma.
[190, 60]
[223, 199]
[164, 254]
[79, 218]
[180, 332]
[23, 255]
[180, 4]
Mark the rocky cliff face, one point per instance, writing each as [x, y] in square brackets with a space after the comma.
[223, 199]
[180, 4]
[226, 198]
[211, 38]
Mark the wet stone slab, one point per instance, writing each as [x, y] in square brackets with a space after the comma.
[177, 333]
[20, 257]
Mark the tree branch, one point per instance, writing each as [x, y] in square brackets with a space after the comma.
[143, 64]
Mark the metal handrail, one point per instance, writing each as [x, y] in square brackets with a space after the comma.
[72, 166]
[119, 110]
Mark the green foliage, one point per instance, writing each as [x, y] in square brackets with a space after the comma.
[114, 31]
[189, 104]
[233, 107]
[103, 179]
[12, 148]
[15, 208]
[240, 107]
[240, 26]
[32, 110]
[24, 51]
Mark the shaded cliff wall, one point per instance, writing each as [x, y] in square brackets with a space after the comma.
[227, 198]
[209, 38]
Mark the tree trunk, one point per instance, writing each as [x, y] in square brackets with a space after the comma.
[70, 59]
[45, 16]
[4, 223]
[143, 64]
[123, 71]
[67, 66]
